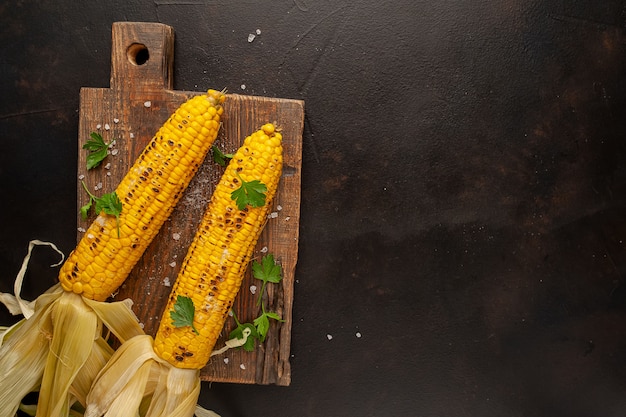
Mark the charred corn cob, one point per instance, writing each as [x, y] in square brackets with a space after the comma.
[149, 192]
[210, 276]
[61, 362]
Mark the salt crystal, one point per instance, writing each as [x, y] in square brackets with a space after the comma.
[147, 103]
[242, 366]
[81, 229]
[243, 86]
[81, 177]
[172, 264]
[109, 174]
[279, 207]
[251, 37]
[273, 215]
[114, 152]
[287, 218]
[116, 120]
[253, 289]
[264, 249]
[329, 336]
[358, 334]
[258, 31]
[112, 143]
[226, 361]
[107, 166]
[166, 282]
[107, 126]
[176, 236]
[132, 135]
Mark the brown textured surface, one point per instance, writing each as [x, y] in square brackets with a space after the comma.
[122, 109]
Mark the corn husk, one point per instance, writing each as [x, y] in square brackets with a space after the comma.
[136, 382]
[58, 348]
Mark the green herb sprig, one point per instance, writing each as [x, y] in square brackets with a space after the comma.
[183, 313]
[220, 157]
[249, 193]
[267, 271]
[108, 203]
[98, 150]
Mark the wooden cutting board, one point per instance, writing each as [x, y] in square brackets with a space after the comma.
[138, 102]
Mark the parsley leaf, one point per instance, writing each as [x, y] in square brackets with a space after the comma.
[220, 157]
[262, 323]
[98, 150]
[267, 271]
[109, 203]
[238, 333]
[183, 313]
[250, 193]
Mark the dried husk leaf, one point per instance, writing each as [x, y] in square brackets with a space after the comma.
[136, 376]
[119, 374]
[118, 317]
[58, 348]
[23, 355]
[75, 329]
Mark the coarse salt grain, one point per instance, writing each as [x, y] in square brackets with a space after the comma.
[81, 177]
[114, 152]
[81, 229]
[258, 31]
[107, 126]
[116, 120]
[264, 249]
[226, 360]
[243, 86]
[242, 366]
[107, 166]
[147, 103]
[279, 207]
[176, 236]
[98, 126]
[329, 336]
[253, 289]
[132, 135]
[166, 282]
[273, 215]
[251, 37]
[358, 334]
[172, 264]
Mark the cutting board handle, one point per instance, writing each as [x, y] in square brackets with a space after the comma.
[142, 56]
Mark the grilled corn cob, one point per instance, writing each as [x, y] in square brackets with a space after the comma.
[148, 193]
[66, 347]
[211, 274]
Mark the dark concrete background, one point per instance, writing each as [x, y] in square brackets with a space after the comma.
[463, 196]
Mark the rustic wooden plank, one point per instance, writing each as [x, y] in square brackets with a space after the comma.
[139, 100]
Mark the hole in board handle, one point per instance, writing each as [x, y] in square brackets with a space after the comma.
[138, 54]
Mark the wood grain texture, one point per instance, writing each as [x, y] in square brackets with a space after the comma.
[139, 100]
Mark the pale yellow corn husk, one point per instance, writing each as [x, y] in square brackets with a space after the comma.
[135, 378]
[58, 348]
[23, 355]
[75, 329]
